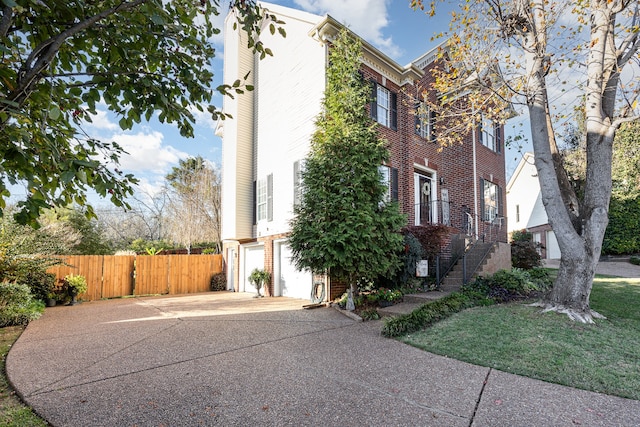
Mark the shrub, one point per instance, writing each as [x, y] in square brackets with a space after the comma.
[40, 283]
[75, 281]
[219, 282]
[635, 260]
[432, 312]
[506, 285]
[524, 251]
[17, 306]
[410, 256]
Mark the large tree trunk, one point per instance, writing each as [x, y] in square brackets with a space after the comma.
[579, 237]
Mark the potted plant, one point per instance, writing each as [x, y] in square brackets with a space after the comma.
[387, 297]
[259, 277]
[75, 284]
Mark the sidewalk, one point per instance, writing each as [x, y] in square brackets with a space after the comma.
[621, 268]
[232, 360]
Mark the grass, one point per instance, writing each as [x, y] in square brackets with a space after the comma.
[12, 411]
[519, 339]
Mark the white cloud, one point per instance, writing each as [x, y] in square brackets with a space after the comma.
[147, 152]
[367, 18]
[101, 121]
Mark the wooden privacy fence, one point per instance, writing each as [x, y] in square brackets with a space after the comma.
[111, 276]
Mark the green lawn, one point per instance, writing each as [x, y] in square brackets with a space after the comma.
[12, 411]
[516, 338]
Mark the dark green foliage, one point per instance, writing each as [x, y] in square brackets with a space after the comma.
[506, 285]
[410, 255]
[501, 287]
[431, 237]
[524, 251]
[635, 260]
[40, 283]
[342, 224]
[61, 60]
[623, 232]
[219, 282]
[17, 305]
[432, 312]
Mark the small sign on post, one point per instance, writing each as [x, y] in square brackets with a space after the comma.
[422, 268]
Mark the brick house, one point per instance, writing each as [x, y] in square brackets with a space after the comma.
[461, 186]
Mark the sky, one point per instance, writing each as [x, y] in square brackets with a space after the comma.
[390, 25]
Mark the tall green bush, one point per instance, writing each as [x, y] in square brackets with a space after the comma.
[524, 251]
[17, 305]
[623, 232]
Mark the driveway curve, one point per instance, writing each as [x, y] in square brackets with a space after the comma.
[230, 359]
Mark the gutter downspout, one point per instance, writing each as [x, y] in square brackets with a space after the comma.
[475, 179]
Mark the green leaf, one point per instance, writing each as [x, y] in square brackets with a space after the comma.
[54, 113]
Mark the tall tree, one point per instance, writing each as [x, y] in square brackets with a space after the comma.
[342, 225]
[542, 47]
[61, 58]
[194, 202]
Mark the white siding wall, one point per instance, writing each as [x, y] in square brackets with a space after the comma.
[237, 141]
[289, 91]
[523, 190]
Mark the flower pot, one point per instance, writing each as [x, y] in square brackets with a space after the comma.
[51, 302]
[73, 293]
[385, 303]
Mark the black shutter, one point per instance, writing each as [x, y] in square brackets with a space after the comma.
[498, 133]
[479, 130]
[255, 202]
[432, 125]
[270, 197]
[394, 184]
[394, 110]
[373, 106]
[481, 216]
[417, 121]
[500, 207]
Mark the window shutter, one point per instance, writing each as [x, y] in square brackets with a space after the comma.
[296, 183]
[373, 106]
[417, 122]
[500, 210]
[432, 125]
[255, 202]
[481, 216]
[394, 110]
[270, 197]
[497, 130]
[479, 131]
[394, 184]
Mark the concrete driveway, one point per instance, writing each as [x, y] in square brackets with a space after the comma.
[230, 359]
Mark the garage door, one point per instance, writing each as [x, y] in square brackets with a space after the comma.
[253, 258]
[290, 282]
[553, 250]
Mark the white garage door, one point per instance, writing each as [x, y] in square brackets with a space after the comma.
[553, 250]
[290, 282]
[253, 258]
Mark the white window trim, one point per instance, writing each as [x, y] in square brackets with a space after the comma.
[422, 171]
[490, 203]
[261, 200]
[383, 105]
[488, 133]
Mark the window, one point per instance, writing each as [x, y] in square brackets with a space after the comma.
[389, 177]
[261, 206]
[425, 122]
[491, 200]
[490, 134]
[383, 106]
[264, 199]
